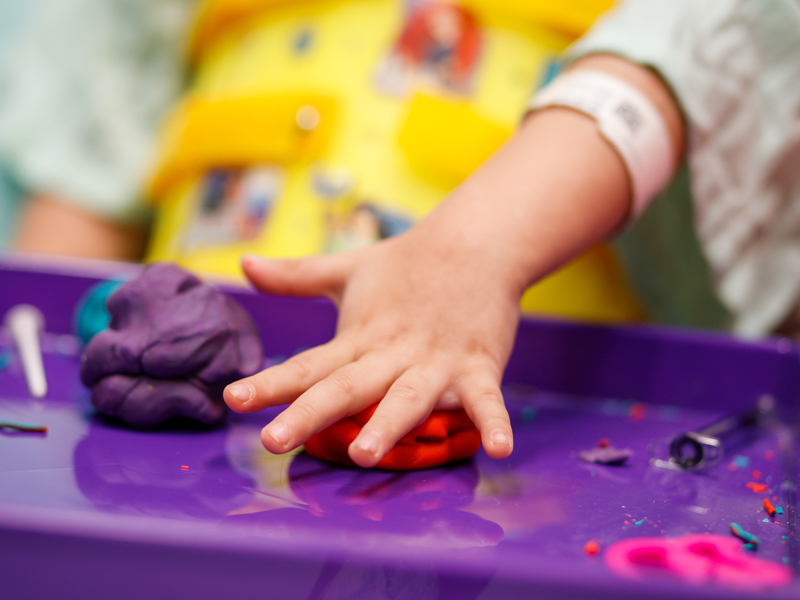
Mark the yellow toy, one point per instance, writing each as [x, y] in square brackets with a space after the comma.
[324, 125]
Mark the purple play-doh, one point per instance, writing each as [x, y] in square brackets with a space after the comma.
[172, 345]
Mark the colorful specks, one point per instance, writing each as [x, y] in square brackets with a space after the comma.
[778, 510]
[765, 520]
[639, 523]
[757, 487]
[184, 467]
[756, 474]
[637, 411]
[528, 414]
[607, 455]
[769, 508]
[749, 538]
[741, 461]
[591, 548]
[25, 427]
[6, 358]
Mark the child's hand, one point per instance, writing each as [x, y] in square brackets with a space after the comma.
[427, 319]
[421, 326]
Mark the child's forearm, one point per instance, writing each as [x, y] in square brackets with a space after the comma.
[48, 226]
[555, 189]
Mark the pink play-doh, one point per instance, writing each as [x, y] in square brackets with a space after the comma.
[695, 559]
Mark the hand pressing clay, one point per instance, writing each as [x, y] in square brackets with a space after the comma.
[445, 436]
[171, 347]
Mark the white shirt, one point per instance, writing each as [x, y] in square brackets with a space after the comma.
[734, 66]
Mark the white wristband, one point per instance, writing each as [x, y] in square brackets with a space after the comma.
[626, 118]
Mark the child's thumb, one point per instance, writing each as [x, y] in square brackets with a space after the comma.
[313, 276]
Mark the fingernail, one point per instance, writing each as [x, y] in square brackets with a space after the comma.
[368, 444]
[241, 392]
[279, 432]
[249, 260]
[500, 439]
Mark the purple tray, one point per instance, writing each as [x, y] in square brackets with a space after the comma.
[95, 510]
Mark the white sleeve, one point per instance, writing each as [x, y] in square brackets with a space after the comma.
[734, 67]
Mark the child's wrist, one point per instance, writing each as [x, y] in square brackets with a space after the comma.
[478, 247]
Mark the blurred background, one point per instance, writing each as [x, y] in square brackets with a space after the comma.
[195, 131]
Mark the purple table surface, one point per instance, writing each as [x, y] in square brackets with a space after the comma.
[92, 509]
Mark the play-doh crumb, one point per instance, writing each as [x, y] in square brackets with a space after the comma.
[637, 411]
[26, 427]
[751, 540]
[741, 461]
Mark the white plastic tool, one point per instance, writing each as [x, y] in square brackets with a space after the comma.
[26, 323]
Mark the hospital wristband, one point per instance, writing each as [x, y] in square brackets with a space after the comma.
[626, 118]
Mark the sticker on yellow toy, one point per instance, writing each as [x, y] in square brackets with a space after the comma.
[351, 220]
[438, 48]
[364, 225]
[233, 205]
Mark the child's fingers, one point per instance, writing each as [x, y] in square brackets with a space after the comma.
[483, 401]
[346, 391]
[407, 403]
[283, 383]
[307, 277]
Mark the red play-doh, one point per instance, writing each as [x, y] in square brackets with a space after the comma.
[445, 436]
[695, 559]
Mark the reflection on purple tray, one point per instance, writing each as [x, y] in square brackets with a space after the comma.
[191, 512]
